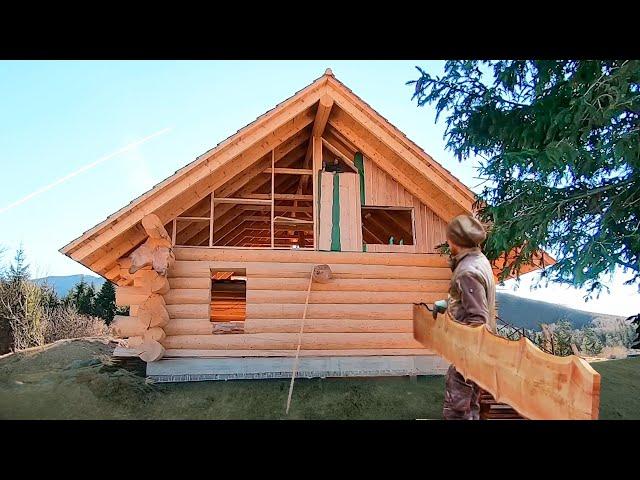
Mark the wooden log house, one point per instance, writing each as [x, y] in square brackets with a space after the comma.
[215, 261]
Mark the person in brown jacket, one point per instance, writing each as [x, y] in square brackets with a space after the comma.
[472, 296]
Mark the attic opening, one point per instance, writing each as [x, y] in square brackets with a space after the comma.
[387, 226]
[228, 300]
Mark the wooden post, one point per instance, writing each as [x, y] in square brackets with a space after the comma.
[175, 231]
[273, 170]
[317, 165]
[211, 222]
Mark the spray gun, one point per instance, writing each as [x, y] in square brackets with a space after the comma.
[439, 306]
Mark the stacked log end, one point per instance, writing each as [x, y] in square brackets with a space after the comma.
[146, 269]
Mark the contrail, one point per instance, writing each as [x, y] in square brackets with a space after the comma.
[84, 169]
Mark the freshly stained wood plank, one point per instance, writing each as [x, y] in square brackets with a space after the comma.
[297, 270]
[363, 258]
[187, 295]
[188, 310]
[182, 353]
[325, 211]
[536, 384]
[374, 248]
[350, 221]
[289, 341]
[373, 311]
[326, 325]
[348, 284]
[334, 297]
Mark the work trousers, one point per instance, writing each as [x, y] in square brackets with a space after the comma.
[461, 397]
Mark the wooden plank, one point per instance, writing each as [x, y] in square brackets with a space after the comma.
[326, 325]
[279, 196]
[290, 171]
[325, 211]
[252, 200]
[334, 297]
[536, 384]
[373, 311]
[348, 285]
[289, 341]
[317, 166]
[360, 258]
[190, 269]
[350, 219]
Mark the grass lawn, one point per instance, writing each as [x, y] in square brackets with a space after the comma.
[73, 380]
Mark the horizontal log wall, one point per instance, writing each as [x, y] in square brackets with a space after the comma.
[366, 306]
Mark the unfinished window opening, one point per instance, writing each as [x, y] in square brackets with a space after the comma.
[387, 226]
[228, 301]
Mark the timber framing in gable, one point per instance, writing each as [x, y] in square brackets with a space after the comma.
[325, 115]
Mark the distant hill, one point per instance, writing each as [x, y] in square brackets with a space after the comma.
[62, 284]
[526, 313]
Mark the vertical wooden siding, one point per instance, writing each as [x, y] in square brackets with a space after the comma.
[382, 190]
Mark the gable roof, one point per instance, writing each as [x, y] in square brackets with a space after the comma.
[100, 247]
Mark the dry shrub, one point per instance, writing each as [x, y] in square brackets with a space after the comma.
[614, 352]
[66, 322]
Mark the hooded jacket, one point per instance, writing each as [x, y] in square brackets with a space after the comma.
[472, 293]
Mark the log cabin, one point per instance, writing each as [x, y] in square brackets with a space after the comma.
[217, 262]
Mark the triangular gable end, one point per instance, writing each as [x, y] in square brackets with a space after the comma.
[284, 133]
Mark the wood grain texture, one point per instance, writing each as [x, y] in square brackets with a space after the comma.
[538, 385]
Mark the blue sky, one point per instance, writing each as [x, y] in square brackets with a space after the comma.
[59, 116]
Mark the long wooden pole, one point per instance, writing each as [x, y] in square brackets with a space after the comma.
[295, 364]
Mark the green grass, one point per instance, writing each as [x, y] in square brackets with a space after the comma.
[619, 388]
[73, 380]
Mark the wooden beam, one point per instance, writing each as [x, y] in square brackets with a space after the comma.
[320, 122]
[279, 208]
[317, 166]
[290, 171]
[278, 196]
[252, 200]
[273, 196]
[337, 152]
